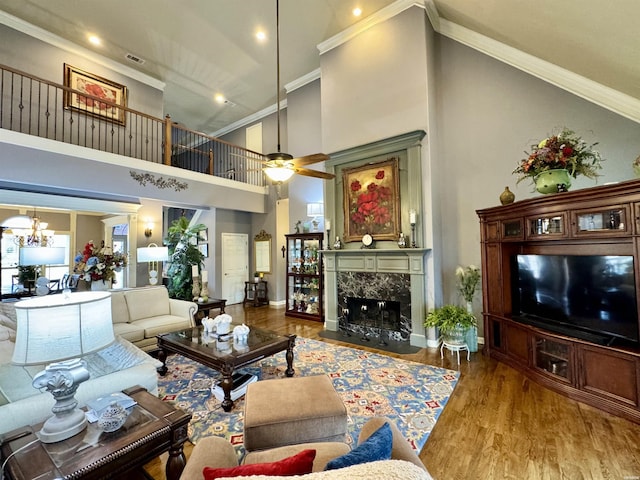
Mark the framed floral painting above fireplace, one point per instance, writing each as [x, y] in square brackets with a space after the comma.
[372, 201]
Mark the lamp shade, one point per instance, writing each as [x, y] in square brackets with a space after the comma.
[59, 327]
[153, 254]
[278, 174]
[315, 209]
[41, 256]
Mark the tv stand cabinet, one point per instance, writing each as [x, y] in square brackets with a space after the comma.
[603, 220]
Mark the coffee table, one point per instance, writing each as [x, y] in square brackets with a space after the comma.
[153, 427]
[225, 357]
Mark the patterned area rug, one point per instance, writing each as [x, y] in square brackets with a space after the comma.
[412, 394]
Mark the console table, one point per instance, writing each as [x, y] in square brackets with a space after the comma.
[153, 427]
[603, 220]
[256, 293]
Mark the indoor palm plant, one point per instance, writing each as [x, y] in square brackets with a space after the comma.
[182, 241]
[452, 321]
[557, 158]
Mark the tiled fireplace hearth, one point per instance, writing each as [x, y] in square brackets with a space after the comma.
[374, 292]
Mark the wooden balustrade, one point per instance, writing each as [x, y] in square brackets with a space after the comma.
[35, 106]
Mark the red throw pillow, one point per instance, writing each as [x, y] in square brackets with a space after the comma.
[298, 464]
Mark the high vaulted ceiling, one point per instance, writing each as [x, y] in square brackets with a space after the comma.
[199, 48]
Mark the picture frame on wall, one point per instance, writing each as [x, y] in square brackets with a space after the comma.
[372, 201]
[99, 88]
[204, 249]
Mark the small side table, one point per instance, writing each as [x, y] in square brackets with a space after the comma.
[205, 307]
[256, 293]
[454, 347]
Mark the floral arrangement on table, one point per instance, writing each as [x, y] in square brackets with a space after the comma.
[564, 150]
[467, 280]
[99, 263]
[636, 166]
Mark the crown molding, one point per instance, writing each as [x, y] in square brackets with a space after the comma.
[365, 24]
[592, 91]
[302, 81]
[56, 41]
[243, 122]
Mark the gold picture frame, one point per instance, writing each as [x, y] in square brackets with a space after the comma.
[114, 94]
[372, 201]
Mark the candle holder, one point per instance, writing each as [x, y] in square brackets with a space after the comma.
[204, 292]
[412, 222]
[195, 290]
[328, 239]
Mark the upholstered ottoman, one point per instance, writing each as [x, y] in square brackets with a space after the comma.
[288, 411]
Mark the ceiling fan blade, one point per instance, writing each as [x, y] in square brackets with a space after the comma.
[309, 159]
[314, 173]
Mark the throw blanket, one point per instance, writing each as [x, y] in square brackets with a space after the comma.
[383, 469]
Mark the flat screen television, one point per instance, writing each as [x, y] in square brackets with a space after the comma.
[592, 297]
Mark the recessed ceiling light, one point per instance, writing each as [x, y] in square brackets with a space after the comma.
[219, 98]
[261, 35]
[95, 40]
[357, 11]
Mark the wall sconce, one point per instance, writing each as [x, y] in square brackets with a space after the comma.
[148, 231]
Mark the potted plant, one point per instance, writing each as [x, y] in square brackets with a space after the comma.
[556, 159]
[182, 241]
[452, 321]
[27, 275]
[468, 281]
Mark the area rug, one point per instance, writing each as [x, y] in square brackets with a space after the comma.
[370, 384]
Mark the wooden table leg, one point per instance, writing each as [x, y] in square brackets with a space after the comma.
[177, 460]
[292, 343]
[227, 385]
[162, 356]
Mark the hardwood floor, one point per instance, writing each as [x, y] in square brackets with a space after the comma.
[497, 424]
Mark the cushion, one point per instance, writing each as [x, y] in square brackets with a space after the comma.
[8, 322]
[376, 447]
[382, 470]
[147, 302]
[298, 464]
[119, 311]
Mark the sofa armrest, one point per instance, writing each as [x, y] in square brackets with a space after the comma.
[211, 451]
[401, 449]
[183, 308]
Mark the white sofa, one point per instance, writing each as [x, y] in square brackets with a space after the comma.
[119, 366]
[139, 314]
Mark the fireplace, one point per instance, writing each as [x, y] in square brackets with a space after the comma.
[376, 294]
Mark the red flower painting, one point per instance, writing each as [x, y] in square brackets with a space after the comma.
[371, 200]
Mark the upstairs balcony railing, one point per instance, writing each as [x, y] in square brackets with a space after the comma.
[35, 106]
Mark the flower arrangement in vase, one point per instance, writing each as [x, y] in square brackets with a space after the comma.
[468, 281]
[564, 151]
[99, 263]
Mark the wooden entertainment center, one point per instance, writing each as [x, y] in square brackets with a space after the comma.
[603, 220]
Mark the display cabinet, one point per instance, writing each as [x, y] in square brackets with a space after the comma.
[304, 284]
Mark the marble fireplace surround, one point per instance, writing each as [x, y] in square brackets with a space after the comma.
[386, 272]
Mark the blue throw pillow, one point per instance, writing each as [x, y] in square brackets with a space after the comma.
[376, 447]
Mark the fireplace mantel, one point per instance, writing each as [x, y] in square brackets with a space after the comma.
[410, 261]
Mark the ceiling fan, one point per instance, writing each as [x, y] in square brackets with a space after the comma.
[280, 166]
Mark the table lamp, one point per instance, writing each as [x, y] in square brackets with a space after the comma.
[59, 329]
[41, 256]
[154, 255]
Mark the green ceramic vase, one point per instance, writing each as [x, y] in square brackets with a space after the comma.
[552, 181]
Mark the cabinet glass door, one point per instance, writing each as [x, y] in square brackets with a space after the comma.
[553, 357]
[611, 221]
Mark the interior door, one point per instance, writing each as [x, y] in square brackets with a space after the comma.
[235, 266]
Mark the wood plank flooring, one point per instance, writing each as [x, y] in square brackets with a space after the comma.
[497, 424]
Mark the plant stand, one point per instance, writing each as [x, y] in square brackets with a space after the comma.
[454, 347]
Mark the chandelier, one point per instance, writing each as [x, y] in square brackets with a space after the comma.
[29, 231]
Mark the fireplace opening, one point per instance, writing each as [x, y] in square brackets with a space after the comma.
[377, 314]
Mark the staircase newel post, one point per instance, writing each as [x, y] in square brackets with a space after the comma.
[167, 140]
